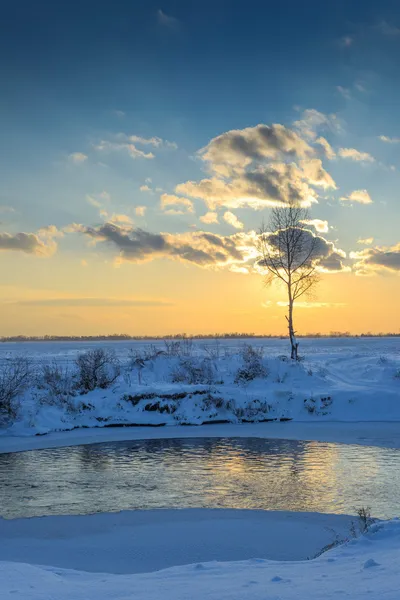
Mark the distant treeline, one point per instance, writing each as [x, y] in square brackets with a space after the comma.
[180, 336]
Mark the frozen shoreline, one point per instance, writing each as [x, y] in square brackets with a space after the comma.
[141, 541]
[373, 433]
[363, 568]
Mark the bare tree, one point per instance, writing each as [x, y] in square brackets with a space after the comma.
[288, 253]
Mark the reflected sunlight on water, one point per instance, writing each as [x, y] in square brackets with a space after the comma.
[209, 473]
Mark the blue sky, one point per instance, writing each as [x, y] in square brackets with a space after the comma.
[80, 79]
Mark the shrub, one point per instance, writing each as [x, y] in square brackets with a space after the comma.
[255, 409]
[194, 371]
[97, 368]
[58, 380]
[15, 375]
[172, 348]
[364, 520]
[252, 365]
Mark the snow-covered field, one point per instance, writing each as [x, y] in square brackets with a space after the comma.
[366, 567]
[233, 381]
[345, 390]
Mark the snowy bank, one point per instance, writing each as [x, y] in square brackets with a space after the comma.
[195, 386]
[381, 434]
[362, 569]
[149, 540]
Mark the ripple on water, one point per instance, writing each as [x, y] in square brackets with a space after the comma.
[202, 472]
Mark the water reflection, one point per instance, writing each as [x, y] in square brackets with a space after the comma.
[212, 473]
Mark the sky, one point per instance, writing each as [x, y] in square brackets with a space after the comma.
[143, 144]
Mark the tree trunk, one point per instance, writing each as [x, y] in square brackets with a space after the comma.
[293, 342]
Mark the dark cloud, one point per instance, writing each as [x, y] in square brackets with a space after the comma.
[197, 247]
[373, 259]
[40, 244]
[320, 252]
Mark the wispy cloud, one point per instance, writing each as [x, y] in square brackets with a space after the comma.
[388, 28]
[314, 304]
[346, 41]
[389, 140]
[365, 241]
[345, 92]
[77, 158]
[133, 151]
[167, 21]
[92, 302]
[359, 196]
[140, 210]
[129, 143]
[356, 155]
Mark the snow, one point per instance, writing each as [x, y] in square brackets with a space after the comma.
[361, 569]
[334, 382]
[149, 540]
[381, 434]
[345, 390]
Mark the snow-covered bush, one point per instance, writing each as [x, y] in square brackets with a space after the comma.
[183, 347]
[194, 371]
[97, 368]
[254, 410]
[15, 377]
[58, 381]
[252, 365]
[318, 406]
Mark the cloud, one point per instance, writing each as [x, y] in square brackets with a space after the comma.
[262, 167]
[389, 140]
[209, 218]
[200, 248]
[315, 174]
[327, 148]
[388, 29]
[236, 149]
[345, 92]
[325, 257]
[236, 252]
[129, 143]
[346, 41]
[372, 260]
[365, 241]
[92, 302]
[276, 184]
[77, 158]
[145, 188]
[232, 219]
[133, 151]
[360, 87]
[175, 205]
[140, 210]
[353, 154]
[116, 217]
[313, 121]
[360, 196]
[314, 304]
[167, 20]
[318, 224]
[42, 243]
[6, 209]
